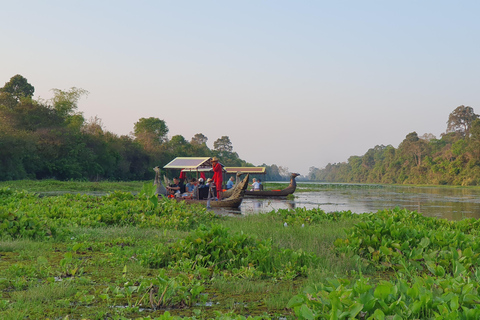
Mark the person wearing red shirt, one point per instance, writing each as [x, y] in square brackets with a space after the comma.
[217, 176]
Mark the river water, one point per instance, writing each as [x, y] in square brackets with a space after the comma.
[443, 202]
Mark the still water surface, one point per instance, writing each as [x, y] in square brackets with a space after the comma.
[444, 202]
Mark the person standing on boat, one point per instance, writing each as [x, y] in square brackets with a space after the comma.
[217, 176]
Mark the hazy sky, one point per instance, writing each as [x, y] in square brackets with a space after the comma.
[292, 83]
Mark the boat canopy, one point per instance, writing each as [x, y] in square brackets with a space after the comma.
[250, 170]
[191, 164]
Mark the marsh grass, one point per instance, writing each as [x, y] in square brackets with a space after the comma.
[277, 300]
[78, 186]
[316, 238]
[45, 292]
[243, 286]
[124, 232]
[19, 245]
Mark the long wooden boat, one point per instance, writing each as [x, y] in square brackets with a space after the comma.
[233, 201]
[276, 193]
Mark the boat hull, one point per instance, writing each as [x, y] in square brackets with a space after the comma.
[225, 203]
[270, 193]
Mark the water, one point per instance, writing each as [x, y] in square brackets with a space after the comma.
[449, 203]
[443, 202]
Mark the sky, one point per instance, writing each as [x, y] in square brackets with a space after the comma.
[298, 84]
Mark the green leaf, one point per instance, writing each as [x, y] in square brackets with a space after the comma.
[355, 309]
[296, 301]
[385, 250]
[417, 305]
[440, 271]
[306, 313]
[454, 305]
[382, 290]
[379, 315]
[424, 242]
[77, 246]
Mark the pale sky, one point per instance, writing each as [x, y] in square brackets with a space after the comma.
[292, 83]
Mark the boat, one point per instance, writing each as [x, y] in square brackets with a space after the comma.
[276, 193]
[229, 192]
[232, 201]
[160, 189]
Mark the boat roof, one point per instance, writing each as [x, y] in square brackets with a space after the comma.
[191, 164]
[251, 170]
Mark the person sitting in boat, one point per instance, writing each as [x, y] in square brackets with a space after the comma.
[191, 185]
[195, 193]
[201, 190]
[230, 183]
[177, 188]
[189, 188]
[260, 185]
[255, 185]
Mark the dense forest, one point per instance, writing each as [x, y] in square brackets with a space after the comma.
[454, 159]
[51, 139]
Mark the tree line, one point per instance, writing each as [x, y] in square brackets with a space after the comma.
[453, 159]
[51, 139]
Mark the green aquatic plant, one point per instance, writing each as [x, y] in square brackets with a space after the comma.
[409, 242]
[216, 248]
[28, 216]
[424, 298]
[149, 192]
[304, 216]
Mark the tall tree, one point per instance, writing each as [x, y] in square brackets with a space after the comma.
[66, 102]
[461, 119]
[199, 139]
[413, 146]
[18, 87]
[150, 132]
[223, 145]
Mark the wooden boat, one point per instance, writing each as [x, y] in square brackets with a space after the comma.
[276, 193]
[229, 192]
[161, 190]
[233, 201]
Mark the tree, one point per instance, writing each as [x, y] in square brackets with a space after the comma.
[30, 115]
[150, 132]
[223, 145]
[428, 137]
[94, 126]
[475, 130]
[18, 87]
[413, 146]
[66, 102]
[461, 119]
[199, 139]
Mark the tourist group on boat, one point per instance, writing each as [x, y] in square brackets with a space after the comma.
[213, 191]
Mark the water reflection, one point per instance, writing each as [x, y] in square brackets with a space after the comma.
[449, 203]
